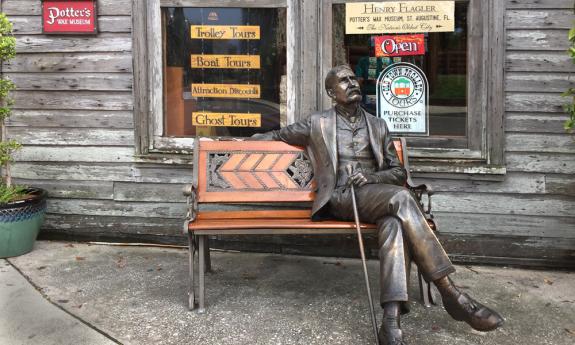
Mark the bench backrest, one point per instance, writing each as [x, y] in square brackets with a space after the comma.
[256, 171]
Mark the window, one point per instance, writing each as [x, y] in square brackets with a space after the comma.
[465, 73]
[278, 60]
[444, 64]
[224, 69]
[211, 68]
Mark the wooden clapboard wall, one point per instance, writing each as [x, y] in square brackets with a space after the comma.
[530, 214]
[74, 113]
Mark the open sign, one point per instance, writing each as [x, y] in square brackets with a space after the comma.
[399, 45]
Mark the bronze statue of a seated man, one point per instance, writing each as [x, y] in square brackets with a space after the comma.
[348, 135]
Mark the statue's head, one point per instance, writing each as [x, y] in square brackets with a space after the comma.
[342, 86]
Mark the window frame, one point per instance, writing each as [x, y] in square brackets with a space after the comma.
[308, 33]
[486, 52]
[149, 65]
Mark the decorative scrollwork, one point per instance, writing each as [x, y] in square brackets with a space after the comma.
[301, 171]
[257, 170]
[215, 161]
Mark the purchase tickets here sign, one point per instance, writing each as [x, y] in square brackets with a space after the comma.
[403, 99]
[399, 17]
[69, 17]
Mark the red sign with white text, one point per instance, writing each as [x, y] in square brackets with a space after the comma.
[399, 45]
[69, 17]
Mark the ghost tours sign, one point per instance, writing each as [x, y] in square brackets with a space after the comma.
[69, 17]
[403, 99]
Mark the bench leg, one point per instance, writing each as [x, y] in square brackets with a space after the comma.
[425, 291]
[192, 259]
[202, 274]
[207, 256]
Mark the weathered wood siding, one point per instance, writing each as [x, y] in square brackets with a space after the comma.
[530, 214]
[74, 114]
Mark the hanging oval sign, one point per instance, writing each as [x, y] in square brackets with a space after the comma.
[403, 99]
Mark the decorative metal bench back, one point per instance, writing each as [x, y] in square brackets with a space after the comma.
[254, 171]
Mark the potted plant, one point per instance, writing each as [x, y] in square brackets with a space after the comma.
[21, 208]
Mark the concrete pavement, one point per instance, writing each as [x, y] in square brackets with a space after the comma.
[137, 295]
[26, 317]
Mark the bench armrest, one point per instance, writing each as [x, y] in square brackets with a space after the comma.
[419, 191]
[190, 191]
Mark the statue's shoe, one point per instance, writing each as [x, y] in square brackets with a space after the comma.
[390, 336]
[464, 308]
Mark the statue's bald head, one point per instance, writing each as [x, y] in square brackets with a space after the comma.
[331, 78]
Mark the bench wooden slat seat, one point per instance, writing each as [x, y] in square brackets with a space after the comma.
[261, 188]
[292, 219]
[204, 226]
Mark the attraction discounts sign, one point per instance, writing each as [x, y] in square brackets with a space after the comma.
[69, 17]
[403, 99]
[399, 17]
[399, 45]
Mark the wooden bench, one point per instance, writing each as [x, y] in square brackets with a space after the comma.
[272, 179]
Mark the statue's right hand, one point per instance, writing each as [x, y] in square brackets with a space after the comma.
[360, 179]
[261, 136]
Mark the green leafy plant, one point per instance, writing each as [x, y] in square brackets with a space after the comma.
[569, 124]
[8, 192]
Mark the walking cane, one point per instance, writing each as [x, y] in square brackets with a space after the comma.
[349, 170]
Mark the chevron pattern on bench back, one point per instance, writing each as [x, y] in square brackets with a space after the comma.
[254, 171]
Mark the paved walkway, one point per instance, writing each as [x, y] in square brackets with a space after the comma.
[137, 295]
[26, 317]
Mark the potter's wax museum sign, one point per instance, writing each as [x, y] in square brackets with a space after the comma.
[69, 17]
[399, 17]
[403, 99]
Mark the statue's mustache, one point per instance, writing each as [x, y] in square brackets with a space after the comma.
[352, 90]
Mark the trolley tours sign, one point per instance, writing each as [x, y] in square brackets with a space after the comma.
[69, 17]
[403, 99]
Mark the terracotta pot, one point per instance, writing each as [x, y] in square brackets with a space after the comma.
[20, 223]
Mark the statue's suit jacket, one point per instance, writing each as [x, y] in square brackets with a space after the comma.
[318, 133]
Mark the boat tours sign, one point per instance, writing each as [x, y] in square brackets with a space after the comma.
[69, 17]
[225, 61]
[403, 99]
[399, 17]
